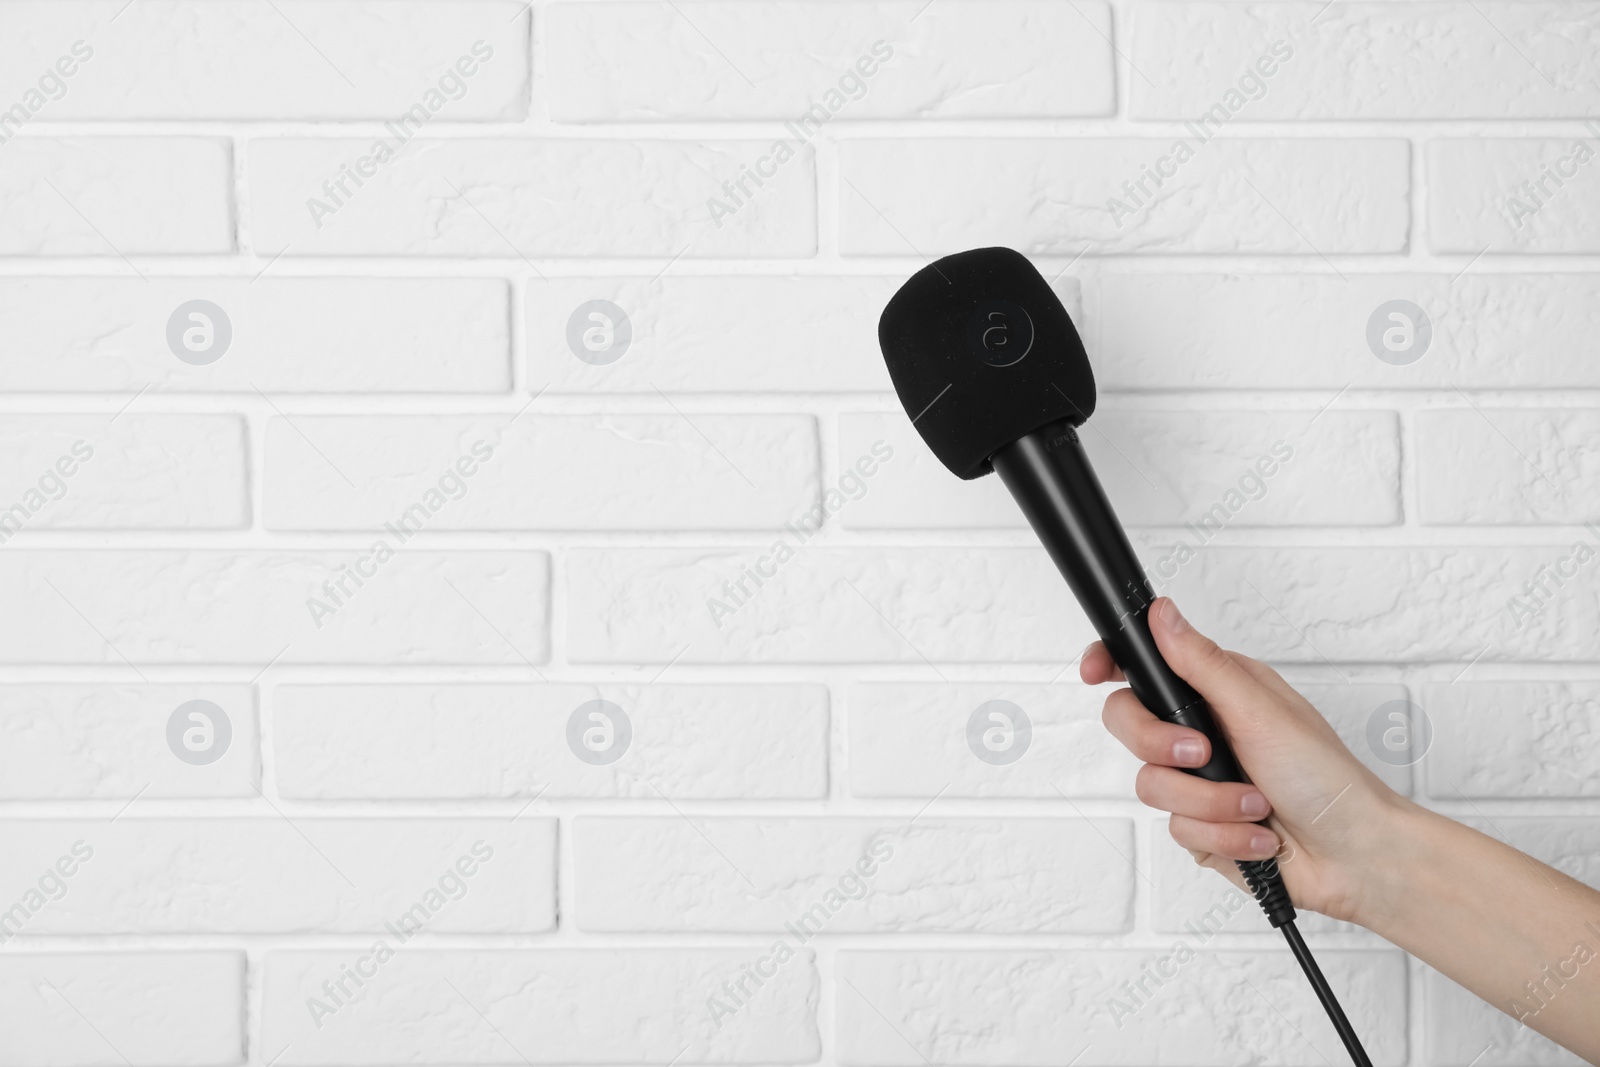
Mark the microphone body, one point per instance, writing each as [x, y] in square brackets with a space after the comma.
[986, 361]
[1049, 475]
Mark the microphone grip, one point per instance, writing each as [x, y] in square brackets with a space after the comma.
[1223, 767]
[1050, 477]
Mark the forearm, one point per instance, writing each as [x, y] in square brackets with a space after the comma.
[1519, 934]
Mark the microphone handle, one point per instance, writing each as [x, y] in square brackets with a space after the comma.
[1050, 477]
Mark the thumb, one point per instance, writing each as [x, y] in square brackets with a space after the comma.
[1217, 676]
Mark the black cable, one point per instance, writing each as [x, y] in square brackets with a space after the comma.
[1347, 1033]
[1266, 883]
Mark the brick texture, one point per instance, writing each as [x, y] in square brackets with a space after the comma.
[426, 423]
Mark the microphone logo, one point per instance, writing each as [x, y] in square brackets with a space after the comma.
[1000, 333]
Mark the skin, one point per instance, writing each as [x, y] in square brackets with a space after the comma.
[1486, 915]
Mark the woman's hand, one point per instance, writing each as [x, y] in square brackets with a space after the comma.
[1498, 922]
[1326, 814]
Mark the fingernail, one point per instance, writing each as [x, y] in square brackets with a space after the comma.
[1263, 843]
[1086, 650]
[1172, 618]
[1254, 805]
[1189, 752]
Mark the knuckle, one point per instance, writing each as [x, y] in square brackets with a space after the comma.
[1211, 655]
[1264, 668]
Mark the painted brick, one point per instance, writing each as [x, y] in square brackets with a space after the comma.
[203, 606]
[285, 874]
[1500, 195]
[1297, 61]
[610, 152]
[492, 198]
[540, 472]
[79, 742]
[335, 742]
[1511, 739]
[288, 335]
[150, 472]
[1034, 1008]
[1060, 197]
[1208, 469]
[1497, 466]
[823, 605]
[930, 605]
[716, 59]
[104, 1009]
[912, 740]
[234, 60]
[1384, 604]
[116, 197]
[1288, 331]
[775, 333]
[550, 1006]
[806, 876]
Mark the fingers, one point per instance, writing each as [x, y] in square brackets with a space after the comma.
[1237, 841]
[1197, 660]
[1096, 666]
[1150, 739]
[1222, 865]
[1169, 789]
[1266, 676]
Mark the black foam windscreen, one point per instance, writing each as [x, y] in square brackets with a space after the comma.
[981, 353]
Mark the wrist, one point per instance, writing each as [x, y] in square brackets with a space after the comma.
[1396, 860]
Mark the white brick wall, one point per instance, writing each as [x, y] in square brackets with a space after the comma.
[1004, 58]
[117, 196]
[555, 1006]
[1046, 196]
[289, 335]
[664, 874]
[94, 1007]
[281, 648]
[994, 1007]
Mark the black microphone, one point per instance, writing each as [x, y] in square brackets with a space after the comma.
[988, 363]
